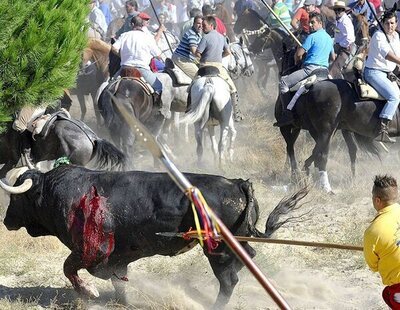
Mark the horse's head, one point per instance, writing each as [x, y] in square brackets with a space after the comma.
[249, 20]
[361, 29]
[95, 55]
[241, 62]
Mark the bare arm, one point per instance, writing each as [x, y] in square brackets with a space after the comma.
[159, 32]
[295, 23]
[299, 55]
[392, 57]
[193, 49]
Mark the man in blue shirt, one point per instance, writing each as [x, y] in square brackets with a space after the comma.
[318, 46]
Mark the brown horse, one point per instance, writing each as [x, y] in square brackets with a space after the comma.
[94, 71]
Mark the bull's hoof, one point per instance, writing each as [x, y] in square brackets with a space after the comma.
[88, 290]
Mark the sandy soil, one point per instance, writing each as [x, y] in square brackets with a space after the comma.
[309, 278]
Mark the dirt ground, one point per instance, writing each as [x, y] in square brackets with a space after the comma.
[31, 273]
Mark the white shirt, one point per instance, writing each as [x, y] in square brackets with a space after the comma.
[137, 48]
[97, 18]
[379, 48]
[344, 32]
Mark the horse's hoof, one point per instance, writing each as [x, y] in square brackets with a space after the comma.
[331, 193]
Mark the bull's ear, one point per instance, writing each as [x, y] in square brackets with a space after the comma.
[241, 40]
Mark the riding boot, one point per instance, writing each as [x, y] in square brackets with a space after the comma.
[286, 118]
[237, 115]
[383, 133]
[157, 100]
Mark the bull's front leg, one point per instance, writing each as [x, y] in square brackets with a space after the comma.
[119, 281]
[72, 264]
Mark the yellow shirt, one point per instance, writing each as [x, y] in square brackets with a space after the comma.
[382, 244]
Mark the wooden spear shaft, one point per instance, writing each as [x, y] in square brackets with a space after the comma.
[183, 183]
[280, 21]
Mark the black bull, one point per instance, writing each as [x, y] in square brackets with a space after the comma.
[109, 219]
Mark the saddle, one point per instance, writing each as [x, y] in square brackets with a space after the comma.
[208, 71]
[42, 125]
[315, 76]
[114, 84]
[363, 89]
[130, 72]
[179, 78]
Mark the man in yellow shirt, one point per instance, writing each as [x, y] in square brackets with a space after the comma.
[382, 238]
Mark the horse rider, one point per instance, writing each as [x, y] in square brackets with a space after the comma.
[383, 56]
[211, 49]
[318, 46]
[361, 7]
[188, 24]
[184, 55]
[207, 10]
[382, 238]
[301, 19]
[131, 8]
[97, 19]
[344, 39]
[242, 5]
[136, 49]
[282, 11]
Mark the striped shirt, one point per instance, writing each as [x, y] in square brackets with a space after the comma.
[281, 10]
[189, 39]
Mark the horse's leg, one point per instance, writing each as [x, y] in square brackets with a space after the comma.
[82, 103]
[223, 141]
[198, 133]
[96, 110]
[214, 145]
[352, 147]
[321, 158]
[232, 139]
[290, 135]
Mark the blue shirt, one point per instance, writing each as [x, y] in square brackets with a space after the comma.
[360, 9]
[318, 46]
[104, 7]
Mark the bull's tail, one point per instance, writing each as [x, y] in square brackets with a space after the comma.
[285, 206]
[108, 156]
[200, 110]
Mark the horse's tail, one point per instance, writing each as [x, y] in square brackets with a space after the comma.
[107, 155]
[106, 107]
[286, 205]
[368, 145]
[200, 110]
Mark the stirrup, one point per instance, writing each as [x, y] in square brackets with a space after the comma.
[384, 137]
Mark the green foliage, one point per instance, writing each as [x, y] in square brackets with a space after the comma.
[40, 51]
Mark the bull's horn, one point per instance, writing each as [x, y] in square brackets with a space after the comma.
[17, 189]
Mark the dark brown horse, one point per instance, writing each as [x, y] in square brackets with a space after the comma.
[138, 101]
[328, 105]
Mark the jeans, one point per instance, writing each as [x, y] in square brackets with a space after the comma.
[292, 79]
[387, 89]
[151, 78]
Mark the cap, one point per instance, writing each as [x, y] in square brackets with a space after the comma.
[143, 15]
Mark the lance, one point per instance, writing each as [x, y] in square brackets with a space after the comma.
[281, 22]
[158, 20]
[193, 235]
[143, 135]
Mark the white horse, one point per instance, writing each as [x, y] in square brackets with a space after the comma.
[238, 63]
[209, 108]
